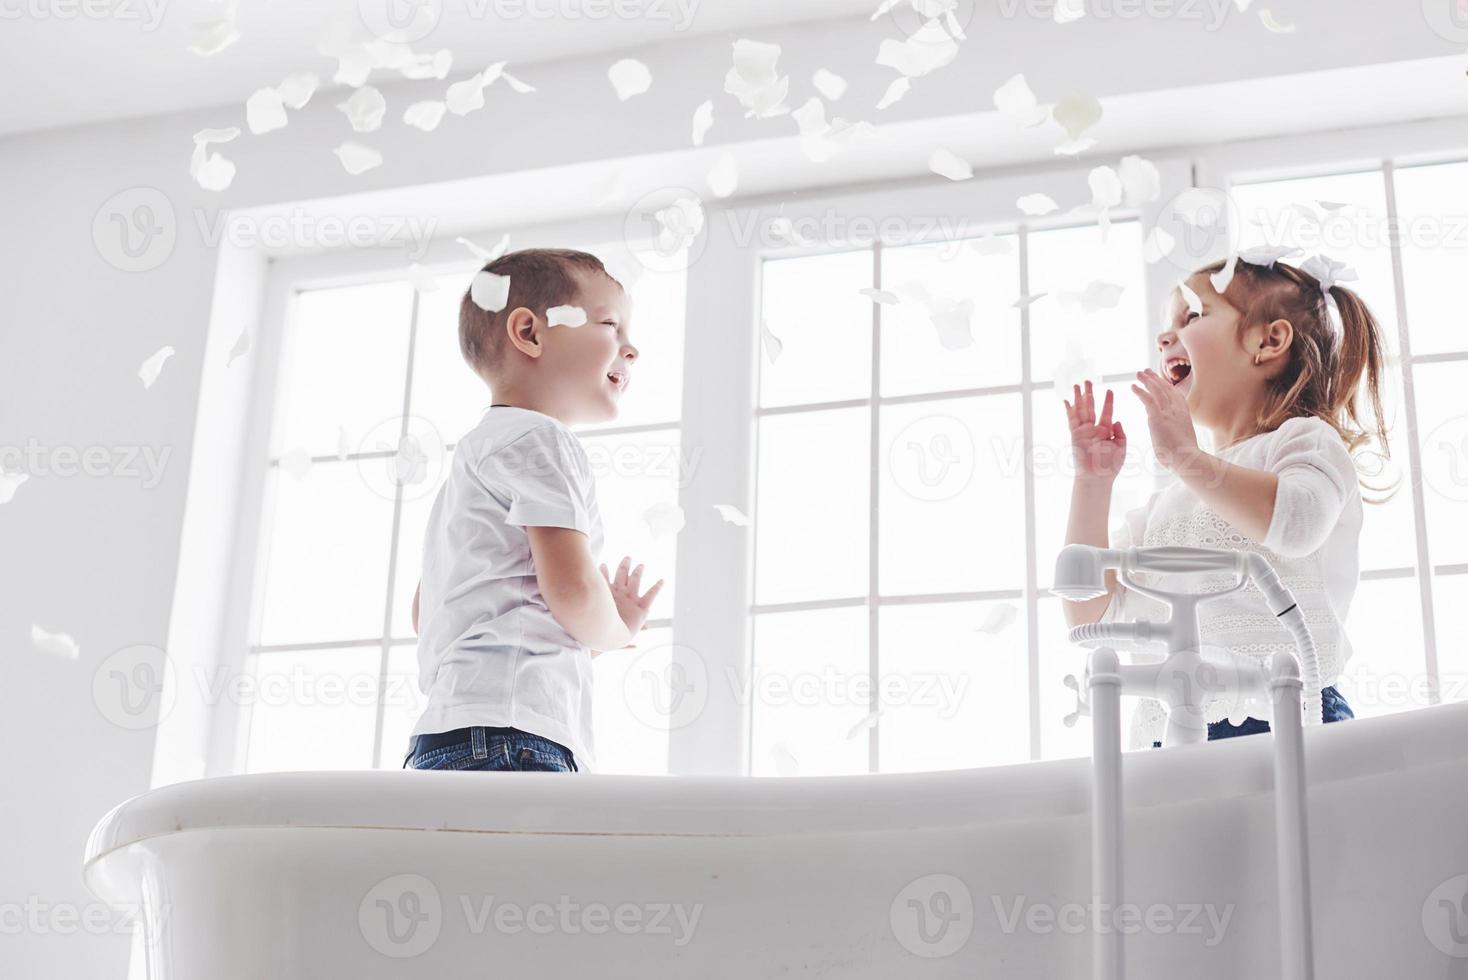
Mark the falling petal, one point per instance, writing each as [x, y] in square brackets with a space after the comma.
[356, 158]
[1069, 11]
[296, 462]
[703, 120]
[365, 109]
[150, 368]
[678, 224]
[879, 296]
[56, 644]
[732, 514]
[213, 37]
[773, 345]
[955, 325]
[485, 255]
[866, 724]
[755, 81]
[629, 77]
[1159, 245]
[240, 349]
[1077, 114]
[522, 87]
[1221, 279]
[1098, 295]
[946, 163]
[491, 291]
[1141, 182]
[563, 316]
[296, 90]
[1106, 190]
[464, 97]
[425, 115]
[831, 85]
[9, 483]
[1195, 305]
[1266, 17]
[885, 7]
[423, 280]
[422, 66]
[1015, 100]
[895, 92]
[664, 519]
[1025, 301]
[210, 170]
[1201, 207]
[1035, 205]
[723, 179]
[1332, 205]
[999, 618]
[265, 111]
[929, 48]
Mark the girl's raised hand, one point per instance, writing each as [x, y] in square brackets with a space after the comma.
[1097, 446]
[1174, 439]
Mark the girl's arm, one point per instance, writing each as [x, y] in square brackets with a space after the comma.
[1098, 449]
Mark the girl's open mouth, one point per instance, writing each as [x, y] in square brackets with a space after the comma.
[1177, 370]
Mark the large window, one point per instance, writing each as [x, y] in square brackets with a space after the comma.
[373, 396]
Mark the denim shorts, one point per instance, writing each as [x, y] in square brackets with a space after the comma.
[1333, 708]
[489, 750]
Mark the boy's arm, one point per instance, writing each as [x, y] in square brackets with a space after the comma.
[578, 594]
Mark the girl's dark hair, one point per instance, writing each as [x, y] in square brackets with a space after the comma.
[1324, 374]
[539, 279]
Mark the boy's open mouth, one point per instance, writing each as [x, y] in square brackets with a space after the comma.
[619, 379]
[1177, 370]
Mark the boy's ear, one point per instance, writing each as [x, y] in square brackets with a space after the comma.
[523, 331]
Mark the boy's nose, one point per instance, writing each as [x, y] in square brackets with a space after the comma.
[630, 352]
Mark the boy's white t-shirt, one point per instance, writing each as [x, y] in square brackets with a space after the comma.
[489, 651]
[1312, 542]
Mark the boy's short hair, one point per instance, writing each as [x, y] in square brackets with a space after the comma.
[539, 279]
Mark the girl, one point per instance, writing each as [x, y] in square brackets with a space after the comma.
[1270, 365]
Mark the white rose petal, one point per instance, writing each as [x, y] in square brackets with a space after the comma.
[365, 109]
[755, 81]
[629, 77]
[491, 291]
[929, 48]
[899, 87]
[486, 255]
[356, 158]
[56, 644]
[732, 514]
[296, 90]
[1195, 305]
[1015, 100]
[151, 368]
[1221, 279]
[9, 483]
[1035, 205]
[265, 111]
[831, 85]
[723, 179]
[425, 115]
[946, 163]
[664, 519]
[1076, 115]
[703, 120]
[1140, 181]
[564, 316]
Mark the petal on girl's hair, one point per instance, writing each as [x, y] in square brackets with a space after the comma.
[265, 111]
[365, 109]
[1015, 100]
[895, 92]
[296, 90]
[1098, 295]
[423, 280]
[1076, 115]
[9, 483]
[629, 77]
[356, 158]
[1267, 255]
[296, 462]
[1025, 301]
[425, 115]
[1159, 245]
[151, 368]
[732, 514]
[486, 255]
[56, 644]
[1195, 305]
[929, 48]
[703, 120]
[999, 618]
[1224, 276]
[1141, 182]
[1069, 11]
[723, 179]
[1266, 17]
[1035, 205]
[773, 345]
[866, 724]
[1328, 271]
[879, 296]
[240, 349]
[490, 292]
[946, 163]
[663, 519]
[831, 85]
[565, 316]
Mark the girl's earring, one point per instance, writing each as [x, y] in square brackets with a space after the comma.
[1256, 360]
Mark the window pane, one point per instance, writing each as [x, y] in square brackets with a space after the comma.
[954, 696]
[637, 696]
[1387, 671]
[1059, 658]
[1450, 597]
[915, 357]
[811, 520]
[810, 690]
[659, 307]
[403, 705]
[1388, 535]
[1062, 335]
[345, 366]
[638, 476]
[1444, 427]
[1432, 212]
[313, 710]
[326, 566]
[1355, 233]
[446, 391]
[824, 328]
[1055, 470]
[952, 496]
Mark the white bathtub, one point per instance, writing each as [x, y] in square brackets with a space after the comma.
[534, 875]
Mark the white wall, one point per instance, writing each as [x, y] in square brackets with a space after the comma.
[97, 556]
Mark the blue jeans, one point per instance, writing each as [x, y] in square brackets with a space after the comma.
[1333, 708]
[489, 750]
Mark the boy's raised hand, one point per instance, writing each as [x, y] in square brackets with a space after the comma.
[632, 603]
[1098, 447]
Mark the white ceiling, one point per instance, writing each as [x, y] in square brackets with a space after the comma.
[61, 67]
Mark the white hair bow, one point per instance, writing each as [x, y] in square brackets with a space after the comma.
[1330, 273]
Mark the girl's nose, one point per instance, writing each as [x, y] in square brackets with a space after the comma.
[1166, 339]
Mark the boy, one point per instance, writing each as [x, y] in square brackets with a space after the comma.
[512, 605]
